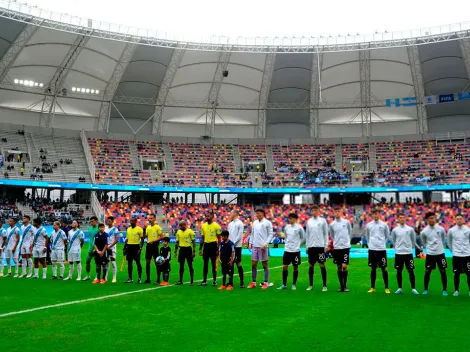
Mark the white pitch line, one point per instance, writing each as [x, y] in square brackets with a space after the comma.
[98, 298]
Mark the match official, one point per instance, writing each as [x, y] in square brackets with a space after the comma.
[133, 245]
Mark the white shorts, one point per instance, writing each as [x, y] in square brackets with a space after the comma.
[9, 254]
[25, 250]
[57, 255]
[113, 253]
[39, 253]
[74, 257]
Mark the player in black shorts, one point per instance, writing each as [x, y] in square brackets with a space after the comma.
[100, 254]
[459, 243]
[186, 243]
[164, 268]
[235, 229]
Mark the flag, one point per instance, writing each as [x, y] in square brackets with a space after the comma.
[392, 102]
[431, 99]
[464, 96]
[408, 101]
[446, 98]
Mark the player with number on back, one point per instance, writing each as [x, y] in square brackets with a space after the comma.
[261, 235]
[58, 241]
[12, 246]
[341, 233]
[377, 235]
[76, 240]
[433, 237]
[163, 262]
[316, 243]
[40, 244]
[404, 240]
[113, 239]
[27, 233]
[295, 235]
[459, 243]
[3, 240]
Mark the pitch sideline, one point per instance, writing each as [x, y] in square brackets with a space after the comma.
[99, 298]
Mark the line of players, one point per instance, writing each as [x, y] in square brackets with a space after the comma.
[33, 241]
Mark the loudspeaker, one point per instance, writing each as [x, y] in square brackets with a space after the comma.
[225, 73]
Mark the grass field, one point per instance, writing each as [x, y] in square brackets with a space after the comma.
[196, 318]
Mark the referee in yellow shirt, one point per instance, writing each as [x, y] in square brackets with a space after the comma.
[133, 247]
[186, 243]
[154, 234]
[209, 247]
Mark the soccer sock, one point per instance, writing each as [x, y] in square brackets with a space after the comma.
[98, 272]
[23, 267]
[147, 270]
[15, 260]
[468, 281]
[205, 269]
[240, 274]
[71, 270]
[444, 280]
[323, 275]
[114, 265]
[400, 278]
[166, 276]
[88, 265]
[310, 275]
[345, 278]
[62, 269]
[44, 272]
[159, 273]
[456, 281]
[191, 271]
[340, 278]
[181, 271]
[36, 271]
[105, 272]
[139, 269]
[296, 275]
[54, 269]
[373, 277]
[266, 273]
[385, 276]
[224, 278]
[254, 273]
[427, 279]
[30, 265]
[214, 271]
[284, 277]
[79, 270]
[129, 269]
[230, 277]
[1, 265]
[412, 278]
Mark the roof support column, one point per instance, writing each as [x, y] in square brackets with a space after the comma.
[418, 85]
[364, 75]
[102, 122]
[260, 131]
[157, 121]
[315, 93]
[212, 101]
[465, 49]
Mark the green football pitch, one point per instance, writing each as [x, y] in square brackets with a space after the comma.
[184, 318]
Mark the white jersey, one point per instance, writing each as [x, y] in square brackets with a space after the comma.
[261, 233]
[295, 235]
[3, 237]
[433, 239]
[113, 233]
[12, 241]
[404, 239]
[377, 235]
[74, 240]
[341, 233]
[317, 233]
[235, 230]
[58, 239]
[40, 238]
[27, 234]
[459, 241]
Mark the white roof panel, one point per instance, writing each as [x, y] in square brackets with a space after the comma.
[203, 72]
[236, 94]
[110, 48]
[196, 92]
[191, 57]
[44, 35]
[340, 74]
[95, 64]
[395, 54]
[333, 59]
[81, 80]
[253, 60]
[44, 54]
[39, 74]
[390, 71]
[78, 107]
[244, 76]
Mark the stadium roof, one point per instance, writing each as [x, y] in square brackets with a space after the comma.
[77, 75]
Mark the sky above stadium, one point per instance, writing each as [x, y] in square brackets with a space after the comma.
[249, 18]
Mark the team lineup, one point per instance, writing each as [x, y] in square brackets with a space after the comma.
[217, 246]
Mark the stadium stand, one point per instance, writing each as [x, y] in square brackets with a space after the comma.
[123, 211]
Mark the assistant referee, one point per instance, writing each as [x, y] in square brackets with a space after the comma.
[133, 247]
[154, 234]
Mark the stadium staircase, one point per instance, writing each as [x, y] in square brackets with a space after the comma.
[255, 177]
[359, 209]
[372, 157]
[134, 156]
[168, 158]
[158, 209]
[269, 159]
[338, 158]
[26, 210]
[236, 158]
[14, 140]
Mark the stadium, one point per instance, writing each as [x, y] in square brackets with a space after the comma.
[119, 126]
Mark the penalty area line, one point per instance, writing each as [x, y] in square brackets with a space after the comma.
[4, 315]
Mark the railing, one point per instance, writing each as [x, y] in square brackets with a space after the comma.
[96, 206]
[88, 157]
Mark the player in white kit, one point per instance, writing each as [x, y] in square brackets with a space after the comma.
[41, 241]
[27, 236]
[12, 246]
[235, 229]
[113, 239]
[58, 241]
[3, 240]
[459, 243]
[76, 240]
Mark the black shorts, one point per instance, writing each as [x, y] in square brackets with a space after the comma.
[377, 259]
[341, 256]
[238, 255]
[101, 260]
[404, 260]
[291, 258]
[433, 260]
[210, 250]
[151, 251]
[316, 255]
[164, 267]
[132, 252]
[185, 253]
[461, 265]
